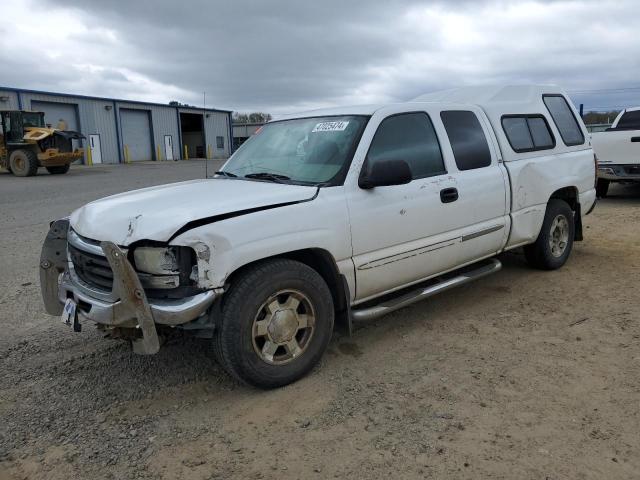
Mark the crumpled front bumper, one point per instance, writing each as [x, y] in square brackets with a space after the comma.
[126, 306]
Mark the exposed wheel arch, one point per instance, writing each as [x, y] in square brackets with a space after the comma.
[325, 264]
[568, 194]
[571, 196]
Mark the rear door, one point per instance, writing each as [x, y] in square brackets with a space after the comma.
[481, 181]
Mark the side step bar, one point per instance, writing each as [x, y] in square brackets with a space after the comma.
[393, 304]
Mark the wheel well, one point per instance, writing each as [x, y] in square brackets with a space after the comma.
[570, 195]
[323, 263]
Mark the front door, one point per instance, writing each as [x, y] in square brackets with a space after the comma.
[400, 232]
[168, 147]
[96, 151]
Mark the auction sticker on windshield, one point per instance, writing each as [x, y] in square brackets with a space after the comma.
[330, 127]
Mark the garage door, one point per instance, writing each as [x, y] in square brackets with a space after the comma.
[58, 115]
[136, 134]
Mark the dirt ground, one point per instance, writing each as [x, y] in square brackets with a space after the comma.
[523, 374]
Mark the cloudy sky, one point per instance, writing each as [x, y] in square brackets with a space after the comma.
[283, 56]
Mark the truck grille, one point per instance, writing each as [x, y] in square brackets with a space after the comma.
[92, 269]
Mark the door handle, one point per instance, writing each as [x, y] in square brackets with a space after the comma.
[448, 195]
[635, 139]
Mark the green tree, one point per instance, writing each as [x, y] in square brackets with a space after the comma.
[254, 117]
[591, 118]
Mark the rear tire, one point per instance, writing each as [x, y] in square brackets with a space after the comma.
[23, 163]
[277, 321]
[58, 170]
[602, 187]
[555, 240]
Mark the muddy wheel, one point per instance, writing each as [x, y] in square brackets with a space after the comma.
[555, 240]
[58, 170]
[23, 163]
[602, 187]
[277, 321]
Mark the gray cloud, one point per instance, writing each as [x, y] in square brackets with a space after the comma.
[289, 55]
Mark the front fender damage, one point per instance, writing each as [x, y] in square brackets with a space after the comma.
[205, 272]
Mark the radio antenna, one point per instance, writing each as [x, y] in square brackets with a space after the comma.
[204, 129]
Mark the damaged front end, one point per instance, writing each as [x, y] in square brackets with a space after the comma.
[129, 292]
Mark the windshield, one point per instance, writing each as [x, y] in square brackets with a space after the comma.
[305, 150]
[32, 119]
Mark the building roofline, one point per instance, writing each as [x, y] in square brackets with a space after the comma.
[108, 99]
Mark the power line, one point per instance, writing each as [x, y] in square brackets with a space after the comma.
[604, 90]
[612, 107]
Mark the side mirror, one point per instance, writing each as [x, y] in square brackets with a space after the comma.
[384, 173]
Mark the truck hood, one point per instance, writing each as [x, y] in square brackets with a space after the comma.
[158, 213]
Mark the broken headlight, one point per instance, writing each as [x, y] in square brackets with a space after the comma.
[164, 269]
[156, 260]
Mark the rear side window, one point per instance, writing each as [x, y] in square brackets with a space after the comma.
[564, 119]
[409, 137]
[630, 121]
[468, 142]
[527, 133]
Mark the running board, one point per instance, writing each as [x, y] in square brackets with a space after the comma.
[404, 300]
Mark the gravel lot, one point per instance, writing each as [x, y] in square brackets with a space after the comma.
[524, 374]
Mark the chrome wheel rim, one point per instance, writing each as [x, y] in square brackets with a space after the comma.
[283, 327]
[559, 236]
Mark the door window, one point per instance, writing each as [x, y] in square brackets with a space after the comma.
[409, 137]
[14, 127]
[468, 142]
[564, 119]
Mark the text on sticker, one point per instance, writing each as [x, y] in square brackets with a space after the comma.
[330, 127]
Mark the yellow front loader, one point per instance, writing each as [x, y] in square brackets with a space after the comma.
[26, 144]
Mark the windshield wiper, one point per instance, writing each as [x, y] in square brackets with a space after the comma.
[273, 177]
[225, 174]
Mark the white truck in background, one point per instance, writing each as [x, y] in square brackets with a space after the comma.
[339, 214]
[618, 151]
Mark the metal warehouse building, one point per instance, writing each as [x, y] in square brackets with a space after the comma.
[122, 131]
[242, 132]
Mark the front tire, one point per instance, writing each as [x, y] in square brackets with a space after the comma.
[23, 163]
[555, 240]
[602, 187]
[277, 321]
[58, 170]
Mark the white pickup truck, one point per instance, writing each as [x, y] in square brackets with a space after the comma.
[342, 214]
[618, 150]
